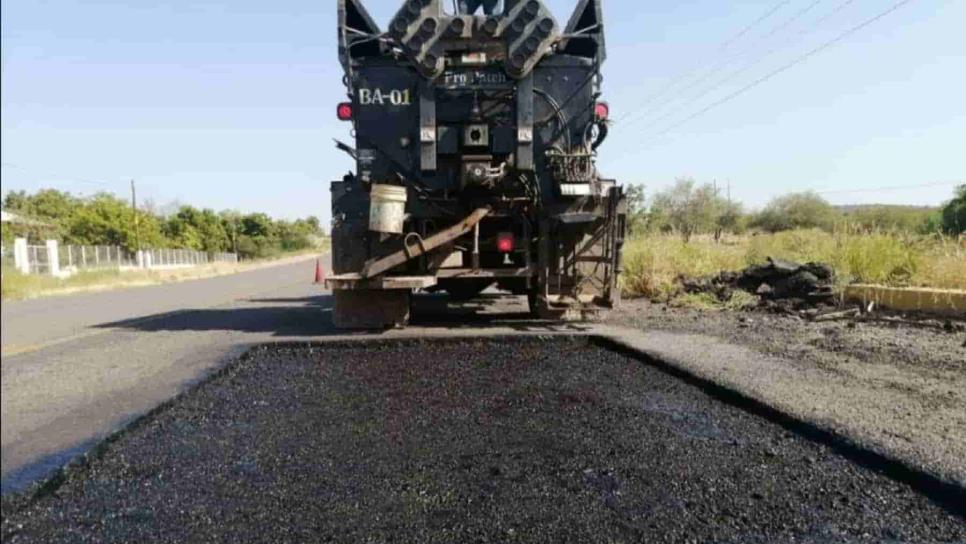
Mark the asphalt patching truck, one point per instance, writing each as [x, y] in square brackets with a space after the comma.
[476, 129]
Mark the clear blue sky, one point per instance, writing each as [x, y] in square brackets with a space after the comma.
[230, 104]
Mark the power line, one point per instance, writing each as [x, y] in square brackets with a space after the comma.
[754, 23]
[77, 179]
[831, 14]
[783, 68]
[724, 45]
[717, 67]
[892, 188]
[788, 22]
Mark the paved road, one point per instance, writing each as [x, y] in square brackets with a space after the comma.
[522, 440]
[76, 367]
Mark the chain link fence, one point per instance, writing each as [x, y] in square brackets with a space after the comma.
[57, 259]
[88, 257]
[6, 256]
[38, 260]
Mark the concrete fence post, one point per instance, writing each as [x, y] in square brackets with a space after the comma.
[21, 259]
[53, 258]
[70, 257]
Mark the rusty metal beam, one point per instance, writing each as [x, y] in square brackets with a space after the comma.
[485, 272]
[355, 281]
[374, 267]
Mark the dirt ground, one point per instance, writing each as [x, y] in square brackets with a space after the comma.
[916, 371]
[930, 347]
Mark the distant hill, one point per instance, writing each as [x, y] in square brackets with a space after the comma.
[892, 217]
[853, 208]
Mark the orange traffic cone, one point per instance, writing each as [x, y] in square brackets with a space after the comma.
[319, 276]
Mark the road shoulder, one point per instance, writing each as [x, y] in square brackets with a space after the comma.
[901, 393]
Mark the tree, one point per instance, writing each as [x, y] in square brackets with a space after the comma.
[108, 220]
[52, 204]
[636, 210]
[105, 219]
[728, 217]
[231, 223]
[196, 229]
[214, 237]
[257, 225]
[797, 210]
[689, 209]
[932, 224]
[16, 201]
[180, 229]
[954, 212]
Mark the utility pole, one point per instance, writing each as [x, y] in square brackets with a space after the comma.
[729, 190]
[137, 225]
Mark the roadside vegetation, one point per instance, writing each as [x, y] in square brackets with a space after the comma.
[689, 231]
[17, 286]
[105, 219]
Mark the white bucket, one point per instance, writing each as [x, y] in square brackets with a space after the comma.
[387, 208]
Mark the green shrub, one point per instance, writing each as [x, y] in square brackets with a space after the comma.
[954, 213]
[796, 211]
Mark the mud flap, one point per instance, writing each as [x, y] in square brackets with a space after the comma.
[370, 308]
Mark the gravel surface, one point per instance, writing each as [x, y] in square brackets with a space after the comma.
[516, 439]
[920, 344]
[898, 387]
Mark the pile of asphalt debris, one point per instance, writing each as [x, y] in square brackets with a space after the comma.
[782, 286]
[806, 291]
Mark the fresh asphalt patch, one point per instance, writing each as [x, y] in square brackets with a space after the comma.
[522, 439]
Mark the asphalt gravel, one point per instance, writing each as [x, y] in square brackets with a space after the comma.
[520, 439]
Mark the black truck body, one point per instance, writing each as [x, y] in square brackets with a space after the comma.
[482, 129]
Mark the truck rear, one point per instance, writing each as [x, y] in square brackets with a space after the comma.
[476, 134]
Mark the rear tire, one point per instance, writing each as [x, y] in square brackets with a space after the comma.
[370, 308]
[463, 290]
[540, 309]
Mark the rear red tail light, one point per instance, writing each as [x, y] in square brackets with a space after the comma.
[344, 111]
[602, 111]
[504, 242]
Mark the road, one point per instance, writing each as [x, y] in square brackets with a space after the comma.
[76, 367]
[523, 439]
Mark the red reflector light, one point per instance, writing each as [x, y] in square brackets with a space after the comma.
[602, 110]
[504, 242]
[344, 111]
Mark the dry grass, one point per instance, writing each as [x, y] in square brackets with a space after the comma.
[654, 263]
